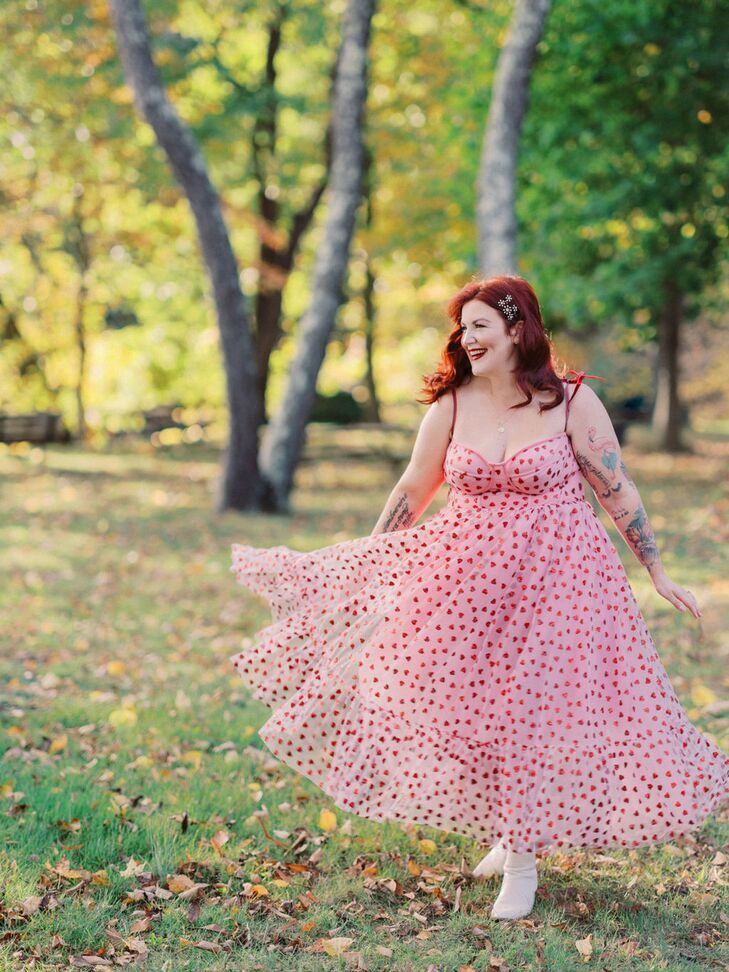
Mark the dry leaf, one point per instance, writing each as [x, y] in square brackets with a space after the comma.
[179, 883]
[58, 743]
[336, 946]
[584, 947]
[327, 821]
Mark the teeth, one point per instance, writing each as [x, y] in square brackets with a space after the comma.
[477, 354]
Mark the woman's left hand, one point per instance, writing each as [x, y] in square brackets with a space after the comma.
[677, 595]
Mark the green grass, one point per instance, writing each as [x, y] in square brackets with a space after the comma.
[130, 751]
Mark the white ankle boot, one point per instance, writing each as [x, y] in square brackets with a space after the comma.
[493, 863]
[518, 888]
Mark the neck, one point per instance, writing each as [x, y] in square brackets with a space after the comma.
[499, 389]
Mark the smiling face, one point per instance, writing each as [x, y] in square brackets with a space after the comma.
[488, 339]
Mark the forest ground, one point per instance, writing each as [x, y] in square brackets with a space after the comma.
[141, 819]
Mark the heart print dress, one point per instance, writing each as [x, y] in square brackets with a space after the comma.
[486, 672]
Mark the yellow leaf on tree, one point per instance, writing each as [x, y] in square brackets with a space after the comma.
[327, 821]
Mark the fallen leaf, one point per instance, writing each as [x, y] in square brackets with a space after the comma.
[336, 946]
[327, 821]
[584, 947]
[179, 883]
[122, 717]
[58, 743]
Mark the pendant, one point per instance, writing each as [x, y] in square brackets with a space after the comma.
[500, 428]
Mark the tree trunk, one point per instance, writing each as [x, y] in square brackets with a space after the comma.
[275, 261]
[241, 485]
[285, 439]
[80, 328]
[372, 409]
[496, 206]
[76, 243]
[666, 420]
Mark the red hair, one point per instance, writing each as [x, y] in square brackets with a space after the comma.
[535, 368]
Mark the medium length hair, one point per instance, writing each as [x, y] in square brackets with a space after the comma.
[535, 368]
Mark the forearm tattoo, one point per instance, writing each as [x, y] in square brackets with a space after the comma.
[399, 516]
[639, 535]
[610, 479]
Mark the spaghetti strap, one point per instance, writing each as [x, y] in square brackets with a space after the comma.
[579, 375]
[455, 407]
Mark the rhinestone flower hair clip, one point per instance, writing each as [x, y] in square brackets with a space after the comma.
[508, 306]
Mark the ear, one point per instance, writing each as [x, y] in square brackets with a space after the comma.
[516, 330]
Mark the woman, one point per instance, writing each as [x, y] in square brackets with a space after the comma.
[488, 672]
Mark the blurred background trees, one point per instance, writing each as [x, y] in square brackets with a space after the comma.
[105, 308]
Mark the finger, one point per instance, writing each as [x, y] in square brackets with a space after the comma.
[690, 602]
[673, 599]
[693, 604]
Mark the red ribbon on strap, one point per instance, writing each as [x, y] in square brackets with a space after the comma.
[580, 376]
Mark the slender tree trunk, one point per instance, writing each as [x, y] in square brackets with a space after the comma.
[283, 444]
[76, 244]
[241, 486]
[496, 207]
[667, 410]
[80, 329]
[276, 260]
[370, 314]
[372, 409]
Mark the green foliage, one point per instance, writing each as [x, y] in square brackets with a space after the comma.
[625, 165]
[622, 177]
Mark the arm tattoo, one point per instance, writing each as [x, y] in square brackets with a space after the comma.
[639, 534]
[400, 515]
[606, 446]
[591, 472]
[626, 474]
[619, 513]
[608, 484]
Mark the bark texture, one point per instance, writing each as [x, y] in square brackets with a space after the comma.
[241, 486]
[496, 206]
[285, 437]
[667, 411]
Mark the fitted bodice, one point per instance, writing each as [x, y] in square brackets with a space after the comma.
[547, 467]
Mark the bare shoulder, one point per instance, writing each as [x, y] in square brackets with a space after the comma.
[585, 407]
[438, 416]
[592, 435]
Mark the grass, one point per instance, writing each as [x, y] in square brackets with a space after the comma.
[141, 819]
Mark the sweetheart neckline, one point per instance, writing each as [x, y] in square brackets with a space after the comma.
[531, 445]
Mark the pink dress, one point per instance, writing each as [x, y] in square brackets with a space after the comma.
[487, 672]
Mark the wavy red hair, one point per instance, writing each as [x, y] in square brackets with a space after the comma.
[535, 369]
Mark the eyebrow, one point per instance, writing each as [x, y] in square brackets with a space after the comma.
[477, 320]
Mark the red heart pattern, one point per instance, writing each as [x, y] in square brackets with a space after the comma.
[487, 672]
